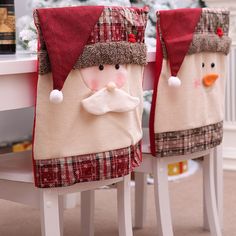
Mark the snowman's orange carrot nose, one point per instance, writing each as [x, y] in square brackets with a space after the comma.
[209, 79]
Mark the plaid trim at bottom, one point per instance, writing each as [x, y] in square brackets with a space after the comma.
[67, 171]
[185, 142]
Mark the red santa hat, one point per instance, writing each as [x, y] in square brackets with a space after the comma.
[77, 37]
[65, 32]
[177, 28]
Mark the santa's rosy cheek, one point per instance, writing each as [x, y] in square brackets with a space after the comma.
[120, 80]
[94, 85]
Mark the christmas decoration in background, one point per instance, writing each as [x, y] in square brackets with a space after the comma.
[27, 36]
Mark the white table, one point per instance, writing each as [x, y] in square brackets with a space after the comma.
[17, 81]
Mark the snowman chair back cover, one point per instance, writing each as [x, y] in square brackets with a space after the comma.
[89, 93]
[188, 99]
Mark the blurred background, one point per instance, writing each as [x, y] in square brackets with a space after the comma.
[26, 30]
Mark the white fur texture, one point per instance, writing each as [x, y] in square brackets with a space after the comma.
[56, 96]
[174, 81]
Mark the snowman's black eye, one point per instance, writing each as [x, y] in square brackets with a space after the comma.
[203, 65]
[117, 66]
[101, 67]
[212, 65]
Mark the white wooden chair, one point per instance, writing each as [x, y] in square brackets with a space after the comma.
[162, 109]
[17, 185]
[212, 171]
[17, 89]
[159, 168]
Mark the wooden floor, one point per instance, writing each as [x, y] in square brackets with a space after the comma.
[186, 200]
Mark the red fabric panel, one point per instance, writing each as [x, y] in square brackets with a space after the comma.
[159, 60]
[66, 32]
[177, 28]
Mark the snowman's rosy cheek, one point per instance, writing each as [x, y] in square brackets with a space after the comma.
[197, 83]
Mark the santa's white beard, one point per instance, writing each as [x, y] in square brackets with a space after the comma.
[110, 100]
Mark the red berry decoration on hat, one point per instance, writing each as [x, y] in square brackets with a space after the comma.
[220, 32]
[146, 8]
[132, 38]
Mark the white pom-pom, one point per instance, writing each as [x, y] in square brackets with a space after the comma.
[56, 96]
[174, 81]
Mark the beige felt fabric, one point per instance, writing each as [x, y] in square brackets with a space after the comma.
[191, 105]
[66, 129]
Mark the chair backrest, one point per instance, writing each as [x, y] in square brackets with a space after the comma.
[188, 101]
[91, 62]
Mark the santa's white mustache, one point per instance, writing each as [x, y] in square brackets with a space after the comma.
[110, 99]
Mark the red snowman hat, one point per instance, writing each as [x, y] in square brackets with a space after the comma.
[66, 32]
[177, 28]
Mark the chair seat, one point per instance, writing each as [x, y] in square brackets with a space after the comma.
[17, 167]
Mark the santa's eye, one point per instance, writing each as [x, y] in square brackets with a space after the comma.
[101, 67]
[212, 65]
[117, 66]
[203, 65]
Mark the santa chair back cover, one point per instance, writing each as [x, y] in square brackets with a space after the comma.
[188, 99]
[89, 94]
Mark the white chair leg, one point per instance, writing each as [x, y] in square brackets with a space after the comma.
[140, 199]
[218, 161]
[61, 213]
[205, 218]
[87, 213]
[124, 207]
[218, 177]
[210, 196]
[162, 199]
[50, 213]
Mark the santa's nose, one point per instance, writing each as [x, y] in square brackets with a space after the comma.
[111, 86]
[209, 79]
